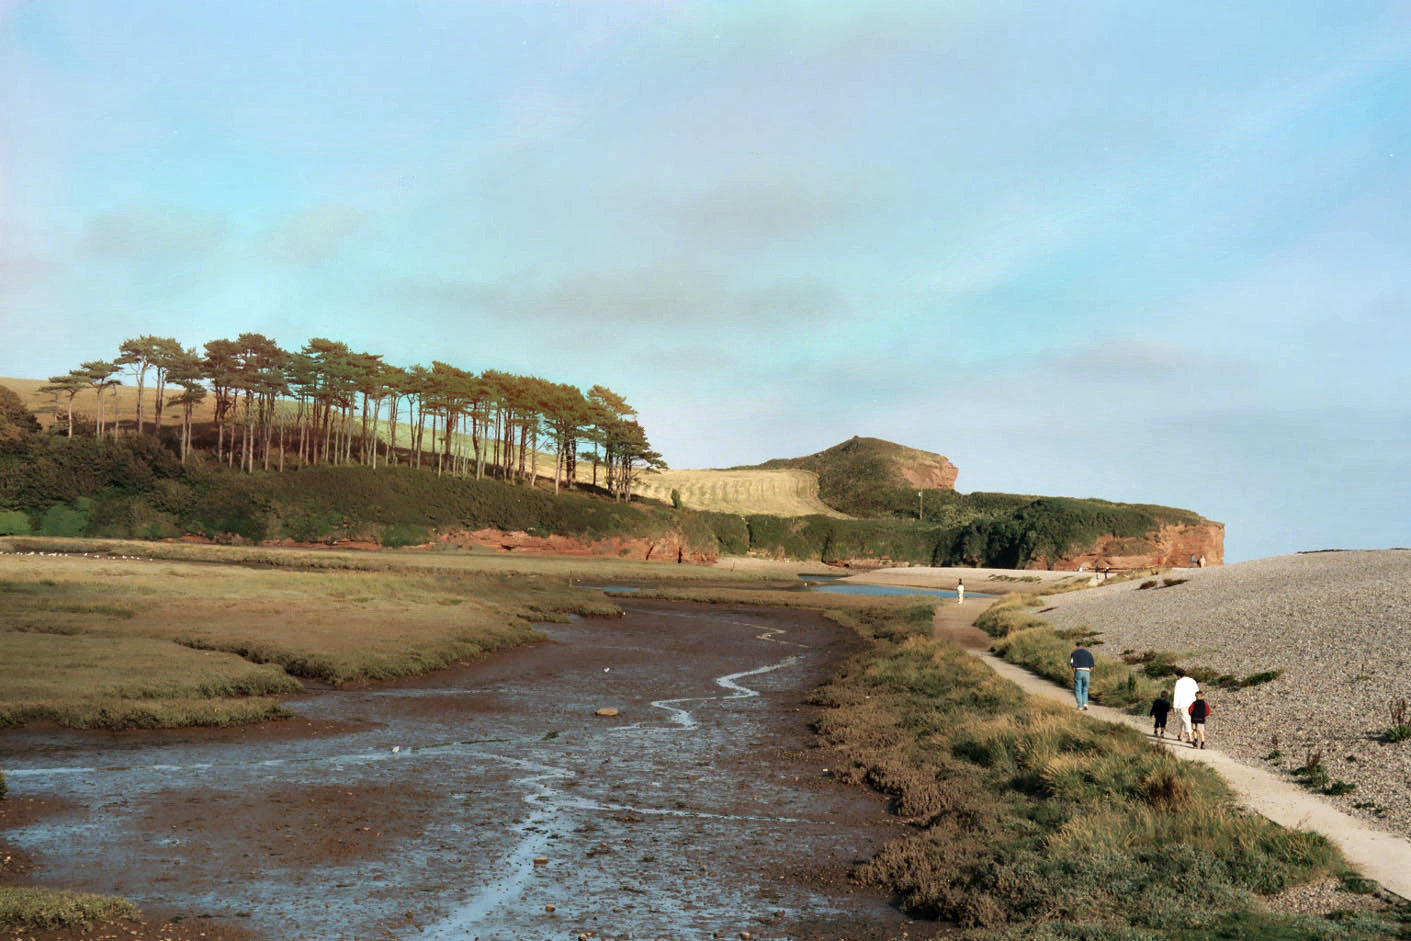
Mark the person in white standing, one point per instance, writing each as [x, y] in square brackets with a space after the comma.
[1181, 698]
[960, 592]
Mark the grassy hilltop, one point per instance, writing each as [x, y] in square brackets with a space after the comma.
[869, 477]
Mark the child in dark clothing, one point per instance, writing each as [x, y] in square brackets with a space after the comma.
[1200, 711]
[1160, 708]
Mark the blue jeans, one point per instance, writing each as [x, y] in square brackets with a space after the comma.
[1080, 687]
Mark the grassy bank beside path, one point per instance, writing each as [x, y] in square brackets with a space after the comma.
[1028, 822]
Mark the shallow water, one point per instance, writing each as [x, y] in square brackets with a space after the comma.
[853, 588]
[477, 798]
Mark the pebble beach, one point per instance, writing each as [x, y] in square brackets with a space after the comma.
[1338, 626]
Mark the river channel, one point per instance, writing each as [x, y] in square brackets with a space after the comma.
[490, 801]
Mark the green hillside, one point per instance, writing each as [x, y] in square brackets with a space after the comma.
[869, 477]
[135, 486]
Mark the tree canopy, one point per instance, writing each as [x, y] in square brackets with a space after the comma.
[326, 403]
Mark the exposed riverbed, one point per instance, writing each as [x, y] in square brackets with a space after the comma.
[489, 801]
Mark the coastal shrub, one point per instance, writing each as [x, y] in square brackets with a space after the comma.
[397, 535]
[730, 532]
[1010, 614]
[1257, 679]
[129, 515]
[1312, 774]
[1154, 663]
[49, 910]
[305, 525]
[14, 523]
[1400, 729]
[64, 519]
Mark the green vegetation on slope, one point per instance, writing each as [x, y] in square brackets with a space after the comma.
[133, 487]
[860, 477]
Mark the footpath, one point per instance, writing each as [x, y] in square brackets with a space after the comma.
[1378, 855]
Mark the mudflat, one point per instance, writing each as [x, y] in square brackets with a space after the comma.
[488, 800]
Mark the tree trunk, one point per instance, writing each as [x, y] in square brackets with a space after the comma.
[392, 431]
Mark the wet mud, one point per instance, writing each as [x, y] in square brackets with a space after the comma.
[490, 800]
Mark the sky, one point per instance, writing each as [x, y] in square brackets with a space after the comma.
[1152, 253]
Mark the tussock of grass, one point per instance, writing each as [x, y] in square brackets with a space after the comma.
[1027, 821]
[116, 713]
[1011, 613]
[46, 909]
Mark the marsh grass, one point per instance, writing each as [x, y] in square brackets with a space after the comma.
[1026, 821]
[117, 643]
[47, 909]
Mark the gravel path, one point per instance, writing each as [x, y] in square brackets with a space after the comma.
[1335, 623]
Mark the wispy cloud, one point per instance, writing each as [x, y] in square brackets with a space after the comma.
[312, 235]
[155, 231]
[668, 298]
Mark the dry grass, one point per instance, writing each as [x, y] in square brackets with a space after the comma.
[84, 404]
[771, 492]
[448, 561]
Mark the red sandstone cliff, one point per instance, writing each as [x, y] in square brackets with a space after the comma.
[665, 548]
[1175, 546]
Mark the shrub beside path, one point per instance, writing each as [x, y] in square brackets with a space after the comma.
[1378, 855]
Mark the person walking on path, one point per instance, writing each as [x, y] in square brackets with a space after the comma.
[960, 591]
[1181, 698]
[1200, 711]
[1160, 708]
[1081, 660]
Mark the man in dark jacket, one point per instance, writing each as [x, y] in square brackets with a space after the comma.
[1081, 660]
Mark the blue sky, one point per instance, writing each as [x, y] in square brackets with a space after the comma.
[1152, 253]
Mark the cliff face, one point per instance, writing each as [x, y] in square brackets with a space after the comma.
[1174, 546]
[665, 548]
[929, 472]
